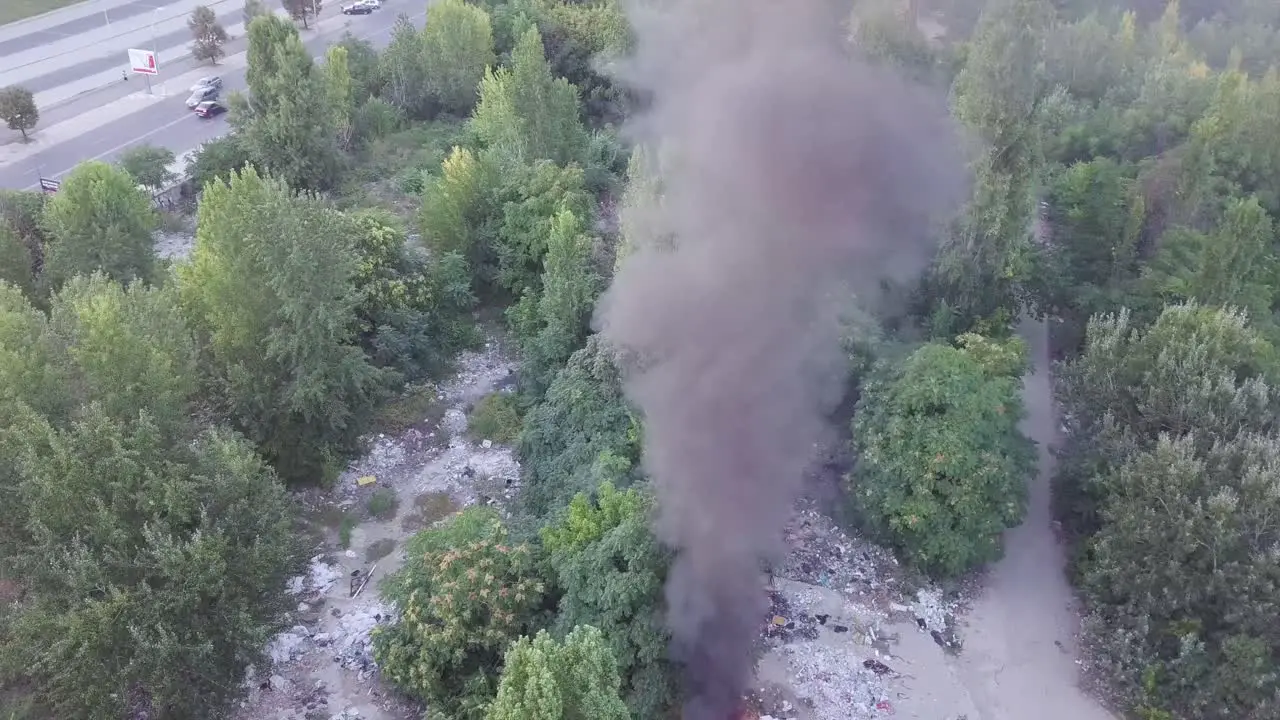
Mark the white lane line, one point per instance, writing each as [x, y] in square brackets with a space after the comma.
[153, 131]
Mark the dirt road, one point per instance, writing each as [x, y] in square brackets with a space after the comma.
[1019, 658]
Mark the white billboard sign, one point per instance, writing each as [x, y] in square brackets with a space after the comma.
[143, 62]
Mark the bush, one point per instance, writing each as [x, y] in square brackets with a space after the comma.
[943, 468]
[377, 118]
[548, 680]
[611, 571]
[465, 594]
[383, 503]
[496, 417]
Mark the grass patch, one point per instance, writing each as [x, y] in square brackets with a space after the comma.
[345, 527]
[379, 550]
[496, 417]
[429, 509]
[415, 406]
[389, 170]
[383, 503]
[14, 10]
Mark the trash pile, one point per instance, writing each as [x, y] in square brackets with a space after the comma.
[322, 666]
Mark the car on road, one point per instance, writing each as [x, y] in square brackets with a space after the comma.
[200, 95]
[212, 81]
[210, 109]
[358, 9]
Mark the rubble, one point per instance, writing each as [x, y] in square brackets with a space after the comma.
[323, 667]
[174, 245]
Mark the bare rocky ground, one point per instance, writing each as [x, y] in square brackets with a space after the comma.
[849, 636]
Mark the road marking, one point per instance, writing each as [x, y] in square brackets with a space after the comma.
[185, 118]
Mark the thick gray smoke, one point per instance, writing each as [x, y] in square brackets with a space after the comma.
[791, 174]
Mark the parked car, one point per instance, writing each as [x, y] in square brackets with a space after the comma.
[210, 109]
[212, 81]
[357, 9]
[200, 95]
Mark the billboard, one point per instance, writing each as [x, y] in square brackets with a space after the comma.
[143, 62]
[49, 186]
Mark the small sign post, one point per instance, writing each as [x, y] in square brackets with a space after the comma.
[143, 62]
[49, 186]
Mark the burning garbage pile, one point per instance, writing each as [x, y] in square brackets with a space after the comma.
[775, 205]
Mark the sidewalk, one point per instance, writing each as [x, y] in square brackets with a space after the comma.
[44, 138]
[62, 132]
[134, 32]
[165, 57]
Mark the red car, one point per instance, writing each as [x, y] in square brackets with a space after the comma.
[210, 108]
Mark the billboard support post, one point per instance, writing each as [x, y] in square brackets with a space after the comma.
[143, 62]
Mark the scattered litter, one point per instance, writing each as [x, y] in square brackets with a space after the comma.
[876, 666]
[364, 480]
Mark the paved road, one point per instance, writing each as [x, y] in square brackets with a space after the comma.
[168, 123]
[108, 55]
[103, 17]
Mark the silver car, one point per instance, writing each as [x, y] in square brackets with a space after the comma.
[200, 95]
[212, 81]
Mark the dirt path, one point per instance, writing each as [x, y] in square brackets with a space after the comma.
[1019, 658]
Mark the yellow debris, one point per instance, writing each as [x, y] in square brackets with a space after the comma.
[779, 620]
[366, 480]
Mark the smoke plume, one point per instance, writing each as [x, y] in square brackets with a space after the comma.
[791, 174]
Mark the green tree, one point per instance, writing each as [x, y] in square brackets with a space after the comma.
[217, 158]
[1195, 369]
[943, 469]
[128, 544]
[32, 371]
[253, 9]
[301, 10]
[531, 199]
[582, 417]
[453, 206]
[337, 74]
[271, 284]
[405, 71]
[525, 113]
[148, 165]
[547, 680]
[467, 593]
[17, 267]
[129, 349]
[208, 35]
[414, 313]
[18, 109]
[1180, 584]
[611, 571]
[278, 125]
[997, 94]
[1096, 215]
[457, 49]
[99, 220]
[1232, 266]
[363, 64]
[551, 324]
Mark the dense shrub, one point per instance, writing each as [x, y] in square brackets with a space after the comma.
[943, 468]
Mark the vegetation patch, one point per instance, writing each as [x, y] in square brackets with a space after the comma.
[14, 10]
[379, 549]
[428, 509]
[415, 406]
[382, 504]
[495, 417]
